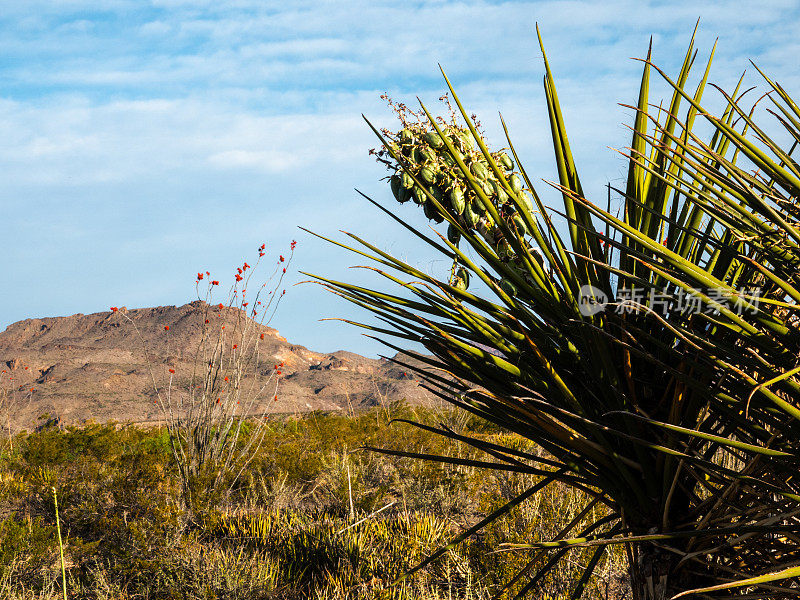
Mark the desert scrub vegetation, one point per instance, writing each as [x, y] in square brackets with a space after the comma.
[312, 515]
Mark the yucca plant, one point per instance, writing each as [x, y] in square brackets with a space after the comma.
[652, 353]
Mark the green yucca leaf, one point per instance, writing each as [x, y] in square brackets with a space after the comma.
[750, 581]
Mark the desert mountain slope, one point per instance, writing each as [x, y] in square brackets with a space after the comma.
[98, 366]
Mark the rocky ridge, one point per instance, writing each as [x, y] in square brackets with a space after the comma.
[101, 367]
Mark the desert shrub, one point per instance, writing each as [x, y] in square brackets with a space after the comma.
[214, 412]
[26, 548]
[286, 530]
[114, 495]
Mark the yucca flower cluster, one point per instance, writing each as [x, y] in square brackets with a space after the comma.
[433, 170]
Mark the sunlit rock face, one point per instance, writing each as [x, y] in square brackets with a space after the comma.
[101, 367]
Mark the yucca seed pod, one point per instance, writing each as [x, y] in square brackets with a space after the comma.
[433, 140]
[407, 181]
[436, 192]
[427, 154]
[416, 155]
[479, 170]
[487, 189]
[472, 213]
[466, 139]
[396, 185]
[457, 200]
[462, 279]
[453, 234]
[497, 188]
[471, 217]
[428, 175]
[405, 194]
[406, 136]
[508, 287]
[520, 224]
[419, 195]
[449, 160]
[505, 161]
[516, 183]
[526, 203]
[430, 211]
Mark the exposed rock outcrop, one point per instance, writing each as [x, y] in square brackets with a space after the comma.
[98, 366]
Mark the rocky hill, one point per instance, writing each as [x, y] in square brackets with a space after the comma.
[106, 366]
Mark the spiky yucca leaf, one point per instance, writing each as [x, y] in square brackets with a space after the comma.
[677, 404]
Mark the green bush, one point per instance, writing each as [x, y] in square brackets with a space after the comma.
[26, 548]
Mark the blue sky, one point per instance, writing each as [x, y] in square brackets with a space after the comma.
[145, 141]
